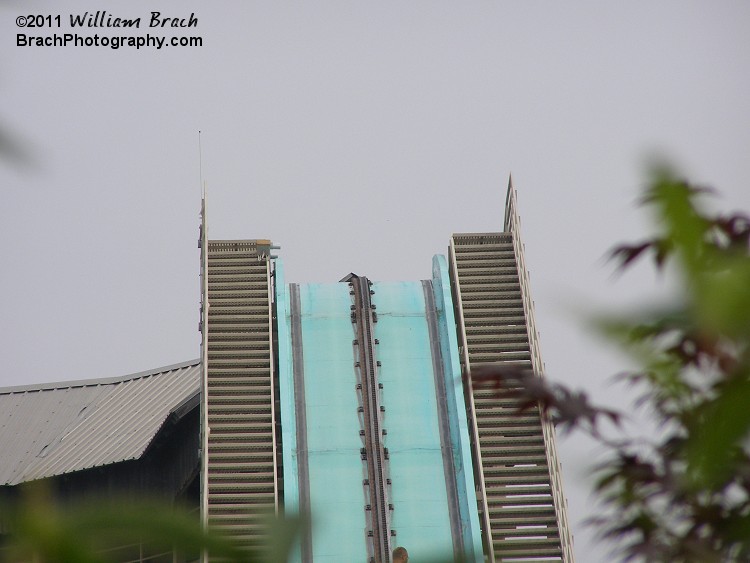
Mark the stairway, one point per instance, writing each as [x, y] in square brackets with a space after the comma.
[241, 484]
[517, 510]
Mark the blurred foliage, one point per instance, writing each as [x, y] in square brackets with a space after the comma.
[37, 528]
[13, 150]
[682, 494]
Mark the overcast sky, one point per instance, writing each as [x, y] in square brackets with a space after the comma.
[358, 136]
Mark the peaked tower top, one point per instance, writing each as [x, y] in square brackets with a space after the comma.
[510, 207]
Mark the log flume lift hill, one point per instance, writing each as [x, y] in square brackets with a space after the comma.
[344, 401]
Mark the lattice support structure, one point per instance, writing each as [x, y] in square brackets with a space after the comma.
[522, 510]
[241, 484]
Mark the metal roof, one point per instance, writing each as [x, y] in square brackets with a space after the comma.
[55, 428]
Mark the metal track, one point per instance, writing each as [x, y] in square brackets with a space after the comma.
[374, 451]
[240, 449]
[517, 505]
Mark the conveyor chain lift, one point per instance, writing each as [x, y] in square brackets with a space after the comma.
[374, 452]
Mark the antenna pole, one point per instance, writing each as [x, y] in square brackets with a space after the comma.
[203, 243]
[200, 165]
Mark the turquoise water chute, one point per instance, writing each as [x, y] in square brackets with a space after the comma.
[410, 484]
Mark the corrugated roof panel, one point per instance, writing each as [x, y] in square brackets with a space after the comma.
[58, 428]
[31, 420]
[123, 424]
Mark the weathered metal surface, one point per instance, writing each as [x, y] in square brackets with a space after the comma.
[57, 428]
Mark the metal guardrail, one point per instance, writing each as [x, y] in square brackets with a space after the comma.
[513, 225]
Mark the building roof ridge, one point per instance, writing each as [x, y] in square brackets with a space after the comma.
[51, 386]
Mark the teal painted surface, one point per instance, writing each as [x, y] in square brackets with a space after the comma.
[418, 492]
[456, 411]
[336, 470]
[286, 393]
[286, 401]
[416, 466]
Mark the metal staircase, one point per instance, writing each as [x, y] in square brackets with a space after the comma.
[240, 473]
[513, 467]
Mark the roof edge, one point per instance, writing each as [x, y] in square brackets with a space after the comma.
[98, 381]
[179, 412]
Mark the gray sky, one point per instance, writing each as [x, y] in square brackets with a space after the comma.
[358, 136]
